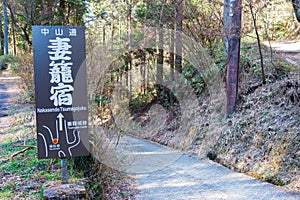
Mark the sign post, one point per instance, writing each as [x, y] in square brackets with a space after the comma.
[64, 171]
[60, 92]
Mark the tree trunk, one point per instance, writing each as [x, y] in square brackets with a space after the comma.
[160, 58]
[143, 72]
[129, 72]
[172, 62]
[61, 12]
[14, 39]
[130, 79]
[1, 39]
[226, 21]
[259, 45]
[127, 76]
[178, 22]
[103, 36]
[160, 62]
[5, 24]
[172, 50]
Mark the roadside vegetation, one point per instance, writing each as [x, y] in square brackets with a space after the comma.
[23, 175]
[131, 90]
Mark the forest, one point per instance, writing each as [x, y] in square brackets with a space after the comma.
[208, 77]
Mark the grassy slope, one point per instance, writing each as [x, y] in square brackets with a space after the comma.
[263, 138]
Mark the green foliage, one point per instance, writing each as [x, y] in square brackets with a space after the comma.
[23, 66]
[193, 77]
[27, 170]
[25, 14]
[102, 100]
[125, 58]
[275, 19]
[8, 60]
[166, 99]
[156, 94]
[284, 68]
[6, 192]
[20, 165]
[154, 12]
[23, 167]
[141, 101]
[249, 60]
[246, 58]
[141, 10]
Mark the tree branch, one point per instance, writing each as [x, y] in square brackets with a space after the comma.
[22, 151]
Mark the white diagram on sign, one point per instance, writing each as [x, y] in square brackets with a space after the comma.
[55, 141]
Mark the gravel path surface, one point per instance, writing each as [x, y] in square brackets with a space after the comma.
[163, 173]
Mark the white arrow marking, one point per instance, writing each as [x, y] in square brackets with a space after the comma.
[60, 118]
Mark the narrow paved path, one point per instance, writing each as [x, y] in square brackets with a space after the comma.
[288, 50]
[9, 92]
[165, 174]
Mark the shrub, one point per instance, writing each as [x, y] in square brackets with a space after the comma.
[23, 66]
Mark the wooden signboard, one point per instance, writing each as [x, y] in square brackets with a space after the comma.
[60, 91]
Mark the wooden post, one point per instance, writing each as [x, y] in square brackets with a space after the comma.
[296, 6]
[233, 56]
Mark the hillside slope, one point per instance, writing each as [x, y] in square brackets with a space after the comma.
[261, 139]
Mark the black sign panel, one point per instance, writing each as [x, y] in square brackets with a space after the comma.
[60, 91]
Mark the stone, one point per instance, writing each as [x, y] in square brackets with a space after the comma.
[55, 190]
